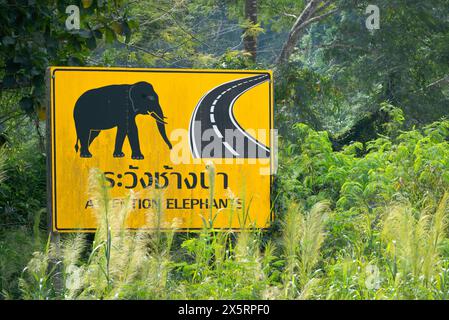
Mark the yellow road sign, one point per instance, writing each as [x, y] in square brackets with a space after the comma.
[201, 138]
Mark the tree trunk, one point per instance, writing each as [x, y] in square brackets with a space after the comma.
[249, 40]
[314, 11]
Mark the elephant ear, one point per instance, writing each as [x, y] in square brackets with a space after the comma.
[137, 93]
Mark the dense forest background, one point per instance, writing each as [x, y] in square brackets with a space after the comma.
[361, 105]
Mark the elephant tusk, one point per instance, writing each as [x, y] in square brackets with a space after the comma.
[156, 117]
[155, 114]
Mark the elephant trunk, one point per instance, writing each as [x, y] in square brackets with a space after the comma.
[158, 115]
[161, 127]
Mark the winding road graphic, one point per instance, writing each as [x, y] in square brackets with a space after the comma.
[214, 112]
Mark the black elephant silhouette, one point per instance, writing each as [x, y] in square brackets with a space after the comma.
[116, 106]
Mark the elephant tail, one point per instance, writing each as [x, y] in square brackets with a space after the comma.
[76, 145]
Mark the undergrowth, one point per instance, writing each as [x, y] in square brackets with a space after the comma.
[367, 222]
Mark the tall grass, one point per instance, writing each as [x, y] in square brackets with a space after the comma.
[414, 243]
[372, 226]
[121, 264]
[303, 236]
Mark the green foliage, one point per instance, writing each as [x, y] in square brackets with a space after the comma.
[232, 59]
[370, 226]
[387, 208]
[306, 96]
[23, 191]
[16, 248]
[402, 62]
[121, 264]
[34, 36]
[303, 235]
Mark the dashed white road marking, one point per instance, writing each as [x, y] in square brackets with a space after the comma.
[212, 118]
[231, 116]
